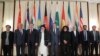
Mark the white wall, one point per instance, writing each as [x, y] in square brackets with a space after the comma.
[93, 17]
[8, 14]
[1, 14]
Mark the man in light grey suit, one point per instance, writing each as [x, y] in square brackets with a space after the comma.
[55, 41]
[19, 40]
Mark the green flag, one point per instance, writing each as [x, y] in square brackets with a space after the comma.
[57, 17]
[69, 12]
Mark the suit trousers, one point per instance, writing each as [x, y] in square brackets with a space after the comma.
[54, 50]
[20, 50]
[31, 50]
[94, 46]
[74, 49]
[85, 48]
[7, 50]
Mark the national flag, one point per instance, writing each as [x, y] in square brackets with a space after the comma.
[63, 21]
[33, 15]
[57, 17]
[19, 15]
[81, 19]
[39, 16]
[50, 23]
[69, 12]
[76, 16]
[28, 17]
[46, 22]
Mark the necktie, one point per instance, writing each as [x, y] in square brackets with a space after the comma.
[30, 30]
[85, 34]
[94, 35]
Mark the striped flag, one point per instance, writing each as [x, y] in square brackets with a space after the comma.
[76, 16]
[19, 15]
[33, 15]
[63, 21]
[27, 17]
[69, 12]
[50, 23]
[57, 16]
[46, 21]
[81, 19]
[39, 16]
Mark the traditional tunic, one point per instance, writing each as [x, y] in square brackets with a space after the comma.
[43, 50]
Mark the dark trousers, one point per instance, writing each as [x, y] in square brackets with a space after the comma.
[7, 50]
[20, 50]
[85, 48]
[66, 51]
[54, 50]
[94, 46]
[31, 50]
[74, 49]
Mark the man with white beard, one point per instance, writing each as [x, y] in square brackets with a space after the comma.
[44, 41]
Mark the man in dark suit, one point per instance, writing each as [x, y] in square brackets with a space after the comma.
[55, 41]
[20, 40]
[43, 41]
[7, 41]
[94, 40]
[84, 35]
[74, 41]
[31, 40]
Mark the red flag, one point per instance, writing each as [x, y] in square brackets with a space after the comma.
[34, 12]
[63, 21]
[19, 15]
[46, 22]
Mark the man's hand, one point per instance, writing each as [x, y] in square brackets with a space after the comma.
[49, 44]
[65, 42]
[36, 44]
[25, 44]
[14, 44]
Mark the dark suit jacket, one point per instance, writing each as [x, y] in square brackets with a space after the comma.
[81, 37]
[46, 37]
[19, 38]
[65, 36]
[74, 39]
[92, 36]
[3, 38]
[32, 37]
[55, 37]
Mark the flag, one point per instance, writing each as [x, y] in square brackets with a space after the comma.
[39, 17]
[34, 15]
[46, 22]
[76, 16]
[69, 12]
[19, 15]
[28, 17]
[57, 17]
[50, 23]
[81, 19]
[63, 21]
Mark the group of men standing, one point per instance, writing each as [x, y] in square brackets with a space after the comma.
[65, 41]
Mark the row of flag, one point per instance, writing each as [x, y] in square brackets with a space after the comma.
[78, 20]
